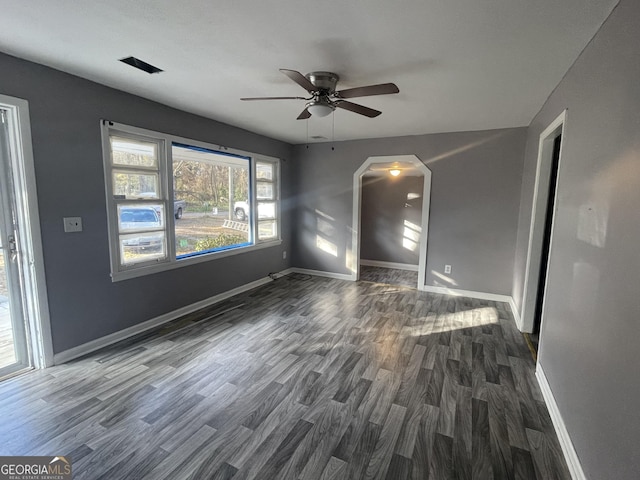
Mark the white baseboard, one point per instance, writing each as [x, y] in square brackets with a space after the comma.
[570, 455]
[112, 338]
[426, 288]
[516, 314]
[467, 293]
[397, 266]
[320, 273]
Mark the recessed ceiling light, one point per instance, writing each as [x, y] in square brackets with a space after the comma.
[141, 65]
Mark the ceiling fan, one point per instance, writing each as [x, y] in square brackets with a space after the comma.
[325, 99]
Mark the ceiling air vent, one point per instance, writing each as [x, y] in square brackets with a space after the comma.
[140, 65]
[318, 137]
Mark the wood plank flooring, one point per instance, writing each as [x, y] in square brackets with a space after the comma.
[302, 378]
[391, 276]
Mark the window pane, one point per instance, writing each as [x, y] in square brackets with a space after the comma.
[134, 217]
[135, 185]
[264, 171]
[266, 210]
[267, 229]
[125, 151]
[215, 188]
[142, 247]
[264, 191]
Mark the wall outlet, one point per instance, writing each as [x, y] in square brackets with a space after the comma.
[447, 269]
[284, 254]
[72, 224]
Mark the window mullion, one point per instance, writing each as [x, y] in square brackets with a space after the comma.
[253, 185]
[166, 180]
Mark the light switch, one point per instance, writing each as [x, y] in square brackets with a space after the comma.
[72, 224]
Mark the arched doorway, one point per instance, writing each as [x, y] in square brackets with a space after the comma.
[386, 165]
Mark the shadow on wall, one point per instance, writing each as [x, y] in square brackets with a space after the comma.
[319, 230]
[325, 233]
[325, 237]
[411, 236]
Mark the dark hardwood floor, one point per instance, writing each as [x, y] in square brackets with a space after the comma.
[303, 378]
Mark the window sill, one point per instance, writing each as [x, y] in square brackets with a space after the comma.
[184, 262]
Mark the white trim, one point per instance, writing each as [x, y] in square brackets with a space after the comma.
[427, 288]
[356, 218]
[37, 304]
[570, 455]
[112, 338]
[467, 293]
[183, 262]
[516, 313]
[318, 273]
[398, 266]
[536, 228]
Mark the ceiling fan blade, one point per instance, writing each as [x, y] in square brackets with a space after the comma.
[381, 89]
[300, 79]
[304, 115]
[362, 110]
[274, 98]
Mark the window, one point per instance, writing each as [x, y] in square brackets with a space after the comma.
[173, 202]
[213, 187]
[266, 199]
[135, 180]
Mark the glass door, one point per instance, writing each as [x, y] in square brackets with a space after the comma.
[14, 351]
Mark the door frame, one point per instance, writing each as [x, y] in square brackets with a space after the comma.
[356, 222]
[36, 304]
[538, 217]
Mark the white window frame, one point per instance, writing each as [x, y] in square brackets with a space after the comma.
[165, 167]
[276, 196]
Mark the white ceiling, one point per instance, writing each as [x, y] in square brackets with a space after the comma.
[459, 64]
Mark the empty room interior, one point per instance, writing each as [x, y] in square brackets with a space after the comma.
[236, 245]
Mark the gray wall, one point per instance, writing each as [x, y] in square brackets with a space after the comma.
[84, 303]
[475, 195]
[384, 208]
[591, 322]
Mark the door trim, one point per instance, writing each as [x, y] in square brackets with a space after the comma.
[36, 304]
[538, 214]
[353, 263]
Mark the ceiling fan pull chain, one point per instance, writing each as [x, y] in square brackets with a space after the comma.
[333, 130]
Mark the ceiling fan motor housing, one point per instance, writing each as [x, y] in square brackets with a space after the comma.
[325, 81]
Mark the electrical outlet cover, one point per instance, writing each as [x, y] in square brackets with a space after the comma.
[72, 224]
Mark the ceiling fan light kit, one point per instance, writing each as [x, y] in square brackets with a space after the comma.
[320, 109]
[325, 98]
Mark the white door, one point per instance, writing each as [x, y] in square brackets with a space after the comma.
[14, 351]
